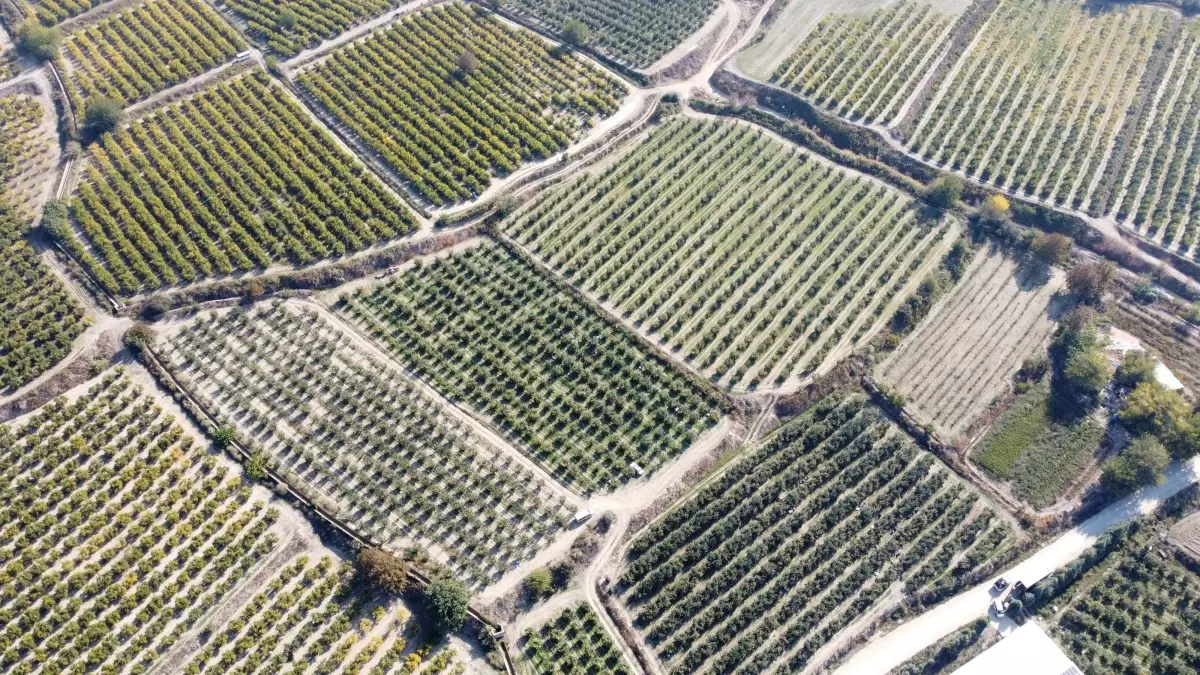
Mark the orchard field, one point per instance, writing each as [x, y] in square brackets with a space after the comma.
[966, 351]
[9, 67]
[1136, 612]
[159, 43]
[1036, 104]
[451, 96]
[130, 547]
[865, 66]
[573, 642]
[1159, 196]
[753, 288]
[580, 396]
[28, 151]
[315, 616]
[635, 32]
[236, 178]
[366, 441]
[310, 21]
[767, 562]
[50, 12]
[38, 318]
[120, 534]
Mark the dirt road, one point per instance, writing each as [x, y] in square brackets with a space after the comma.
[884, 653]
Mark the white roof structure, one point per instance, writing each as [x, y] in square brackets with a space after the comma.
[1123, 346]
[1166, 378]
[1027, 650]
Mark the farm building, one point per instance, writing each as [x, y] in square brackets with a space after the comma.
[1027, 650]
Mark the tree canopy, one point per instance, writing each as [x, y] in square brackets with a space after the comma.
[995, 208]
[383, 569]
[539, 583]
[1142, 463]
[1052, 249]
[447, 601]
[38, 41]
[1089, 281]
[101, 116]
[945, 191]
[1138, 367]
[287, 19]
[575, 32]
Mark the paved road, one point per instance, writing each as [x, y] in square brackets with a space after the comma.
[881, 655]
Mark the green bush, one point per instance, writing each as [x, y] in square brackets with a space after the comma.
[1141, 464]
[447, 601]
[103, 115]
[575, 32]
[945, 191]
[539, 584]
[38, 41]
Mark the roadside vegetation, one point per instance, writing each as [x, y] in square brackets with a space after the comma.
[766, 563]
[154, 209]
[634, 32]
[579, 395]
[364, 441]
[1038, 101]
[451, 96]
[753, 287]
[865, 66]
[159, 43]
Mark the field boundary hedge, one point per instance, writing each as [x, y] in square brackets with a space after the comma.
[319, 278]
[842, 135]
[844, 142]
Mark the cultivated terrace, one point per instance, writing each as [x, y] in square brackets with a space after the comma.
[629, 337]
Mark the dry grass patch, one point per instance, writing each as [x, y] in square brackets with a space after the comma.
[966, 351]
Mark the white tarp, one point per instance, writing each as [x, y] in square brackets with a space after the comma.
[1027, 651]
[1166, 378]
